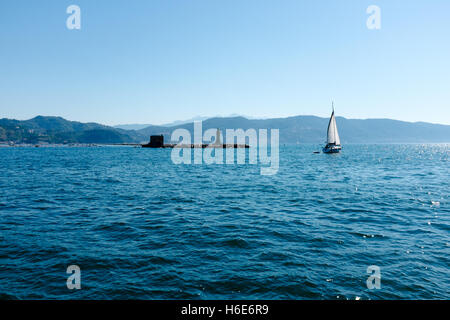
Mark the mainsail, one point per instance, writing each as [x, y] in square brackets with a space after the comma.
[333, 135]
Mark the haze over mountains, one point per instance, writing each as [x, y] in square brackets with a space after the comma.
[172, 124]
[137, 126]
[298, 129]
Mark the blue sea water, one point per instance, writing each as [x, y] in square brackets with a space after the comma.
[142, 227]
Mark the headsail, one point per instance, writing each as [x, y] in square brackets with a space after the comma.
[333, 135]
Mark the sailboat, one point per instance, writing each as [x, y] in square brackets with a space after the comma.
[333, 141]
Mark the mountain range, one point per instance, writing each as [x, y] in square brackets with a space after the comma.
[298, 129]
[172, 124]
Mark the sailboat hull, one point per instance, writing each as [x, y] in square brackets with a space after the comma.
[332, 149]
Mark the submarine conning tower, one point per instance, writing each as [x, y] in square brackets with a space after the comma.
[156, 141]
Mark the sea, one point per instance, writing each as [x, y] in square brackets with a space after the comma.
[372, 222]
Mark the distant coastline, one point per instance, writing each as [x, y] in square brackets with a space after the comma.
[46, 130]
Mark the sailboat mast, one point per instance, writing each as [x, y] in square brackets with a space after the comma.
[335, 126]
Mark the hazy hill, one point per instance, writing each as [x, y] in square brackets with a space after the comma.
[136, 126]
[299, 129]
[170, 124]
[133, 126]
[311, 129]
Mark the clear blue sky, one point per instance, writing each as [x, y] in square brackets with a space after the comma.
[155, 61]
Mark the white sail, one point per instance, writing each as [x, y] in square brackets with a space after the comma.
[333, 135]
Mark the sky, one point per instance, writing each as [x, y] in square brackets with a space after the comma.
[156, 61]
